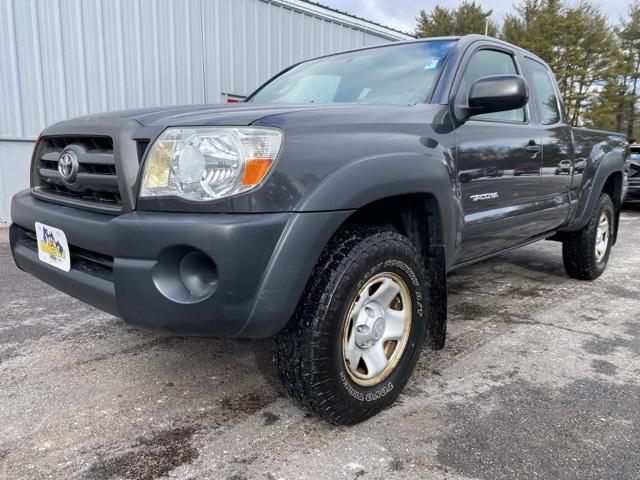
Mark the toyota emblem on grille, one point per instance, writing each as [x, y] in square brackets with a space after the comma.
[68, 166]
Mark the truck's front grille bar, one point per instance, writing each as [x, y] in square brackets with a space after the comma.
[95, 182]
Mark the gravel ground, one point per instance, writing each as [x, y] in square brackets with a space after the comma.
[539, 379]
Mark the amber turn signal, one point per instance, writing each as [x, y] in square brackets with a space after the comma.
[255, 170]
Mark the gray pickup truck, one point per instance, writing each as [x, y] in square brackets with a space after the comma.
[326, 210]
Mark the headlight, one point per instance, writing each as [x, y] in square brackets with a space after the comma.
[208, 163]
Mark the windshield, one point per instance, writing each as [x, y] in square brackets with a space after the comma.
[397, 74]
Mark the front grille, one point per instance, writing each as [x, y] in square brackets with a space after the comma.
[96, 181]
[86, 261]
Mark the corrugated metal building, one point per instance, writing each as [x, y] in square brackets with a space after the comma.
[64, 58]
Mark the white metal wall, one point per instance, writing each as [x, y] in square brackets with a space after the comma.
[64, 58]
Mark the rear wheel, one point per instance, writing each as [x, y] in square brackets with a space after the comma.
[358, 330]
[586, 252]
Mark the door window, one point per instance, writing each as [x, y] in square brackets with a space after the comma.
[485, 63]
[545, 93]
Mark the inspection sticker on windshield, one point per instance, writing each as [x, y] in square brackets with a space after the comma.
[431, 64]
[53, 247]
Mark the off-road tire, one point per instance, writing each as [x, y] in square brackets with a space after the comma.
[308, 351]
[578, 248]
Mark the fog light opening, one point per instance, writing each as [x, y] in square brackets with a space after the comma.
[185, 275]
[198, 275]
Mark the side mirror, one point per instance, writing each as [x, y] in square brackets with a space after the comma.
[498, 93]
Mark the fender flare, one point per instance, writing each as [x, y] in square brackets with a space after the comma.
[374, 178]
[325, 209]
[610, 163]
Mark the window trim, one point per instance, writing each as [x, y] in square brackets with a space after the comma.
[462, 68]
[556, 90]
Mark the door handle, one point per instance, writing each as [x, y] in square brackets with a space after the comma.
[533, 147]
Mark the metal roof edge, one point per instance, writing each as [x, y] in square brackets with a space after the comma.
[314, 8]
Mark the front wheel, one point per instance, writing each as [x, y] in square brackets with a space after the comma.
[586, 252]
[359, 328]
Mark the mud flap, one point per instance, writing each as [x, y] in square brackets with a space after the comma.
[616, 221]
[437, 284]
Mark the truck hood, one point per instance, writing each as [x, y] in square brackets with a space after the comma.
[222, 114]
[247, 113]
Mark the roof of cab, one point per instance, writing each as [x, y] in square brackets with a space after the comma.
[462, 42]
[466, 40]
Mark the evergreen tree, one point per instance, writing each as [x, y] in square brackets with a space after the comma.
[575, 41]
[608, 108]
[468, 18]
[597, 66]
[630, 41]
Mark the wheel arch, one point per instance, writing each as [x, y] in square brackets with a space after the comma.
[411, 191]
[424, 181]
[417, 216]
[607, 178]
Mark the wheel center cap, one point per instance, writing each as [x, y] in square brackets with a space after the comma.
[378, 329]
[370, 325]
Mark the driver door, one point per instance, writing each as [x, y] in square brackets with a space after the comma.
[499, 159]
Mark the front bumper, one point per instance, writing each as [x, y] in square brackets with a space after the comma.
[261, 264]
[633, 189]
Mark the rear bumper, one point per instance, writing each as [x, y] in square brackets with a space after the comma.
[255, 263]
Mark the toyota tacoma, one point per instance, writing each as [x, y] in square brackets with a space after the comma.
[325, 210]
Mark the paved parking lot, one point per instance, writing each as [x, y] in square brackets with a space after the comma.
[539, 379]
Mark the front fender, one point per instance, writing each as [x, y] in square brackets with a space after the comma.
[374, 178]
[325, 208]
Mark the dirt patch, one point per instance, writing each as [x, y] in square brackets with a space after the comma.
[621, 292]
[132, 350]
[149, 458]
[396, 465]
[270, 418]
[633, 329]
[471, 311]
[248, 404]
[606, 346]
[604, 367]
[155, 456]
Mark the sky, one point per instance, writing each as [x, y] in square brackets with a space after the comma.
[401, 14]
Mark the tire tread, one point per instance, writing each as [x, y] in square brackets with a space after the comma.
[299, 365]
[578, 247]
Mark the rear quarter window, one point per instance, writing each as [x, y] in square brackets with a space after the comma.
[546, 97]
